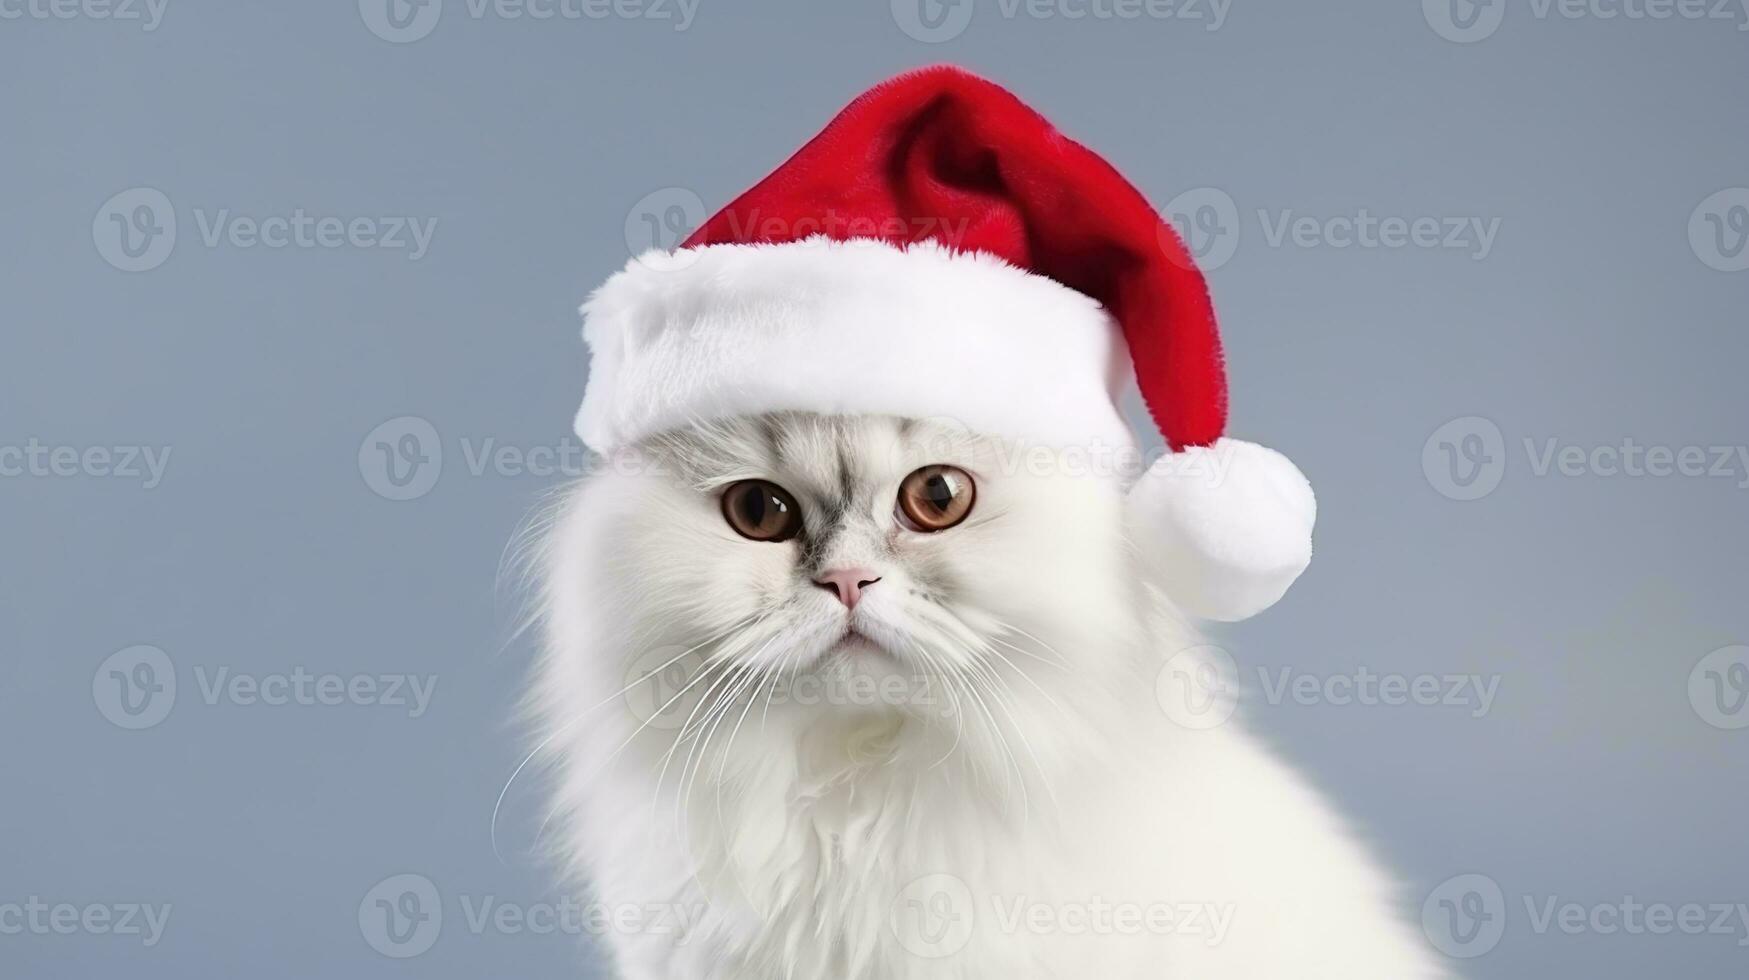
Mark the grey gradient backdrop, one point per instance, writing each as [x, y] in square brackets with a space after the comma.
[535, 145]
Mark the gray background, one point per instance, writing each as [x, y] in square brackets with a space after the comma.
[535, 143]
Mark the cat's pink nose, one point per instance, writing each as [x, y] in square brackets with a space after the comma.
[847, 583]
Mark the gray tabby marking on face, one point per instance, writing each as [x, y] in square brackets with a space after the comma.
[826, 461]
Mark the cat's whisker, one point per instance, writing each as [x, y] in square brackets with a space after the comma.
[992, 651]
[983, 679]
[978, 652]
[747, 674]
[1044, 776]
[524, 557]
[708, 706]
[725, 677]
[791, 664]
[725, 673]
[689, 781]
[581, 717]
[959, 731]
[752, 698]
[723, 764]
[1007, 751]
[1002, 740]
[1053, 651]
[1056, 665]
[704, 671]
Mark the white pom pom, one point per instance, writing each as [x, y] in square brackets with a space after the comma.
[1226, 527]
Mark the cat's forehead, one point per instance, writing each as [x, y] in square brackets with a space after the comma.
[826, 455]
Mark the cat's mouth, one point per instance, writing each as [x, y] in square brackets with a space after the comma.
[866, 636]
[856, 641]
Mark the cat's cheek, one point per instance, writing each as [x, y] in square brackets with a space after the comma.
[754, 575]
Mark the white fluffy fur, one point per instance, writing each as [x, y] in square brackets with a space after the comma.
[849, 327]
[1059, 783]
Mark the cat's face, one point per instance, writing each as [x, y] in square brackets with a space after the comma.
[844, 548]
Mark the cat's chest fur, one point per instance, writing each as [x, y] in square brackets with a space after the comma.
[848, 854]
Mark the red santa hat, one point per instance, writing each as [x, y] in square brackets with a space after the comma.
[940, 250]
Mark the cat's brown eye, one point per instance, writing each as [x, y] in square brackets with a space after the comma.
[936, 498]
[761, 511]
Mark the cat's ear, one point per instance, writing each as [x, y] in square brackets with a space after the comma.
[1225, 528]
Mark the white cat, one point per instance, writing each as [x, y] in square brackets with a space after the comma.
[847, 698]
